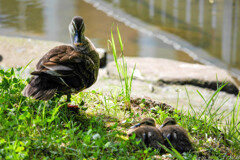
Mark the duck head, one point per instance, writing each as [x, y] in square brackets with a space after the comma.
[168, 121]
[145, 122]
[76, 30]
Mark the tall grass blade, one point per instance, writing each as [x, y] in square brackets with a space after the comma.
[112, 43]
[207, 105]
[172, 151]
[130, 88]
[120, 39]
[26, 66]
[234, 113]
[189, 102]
[122, 69]
[202, 96]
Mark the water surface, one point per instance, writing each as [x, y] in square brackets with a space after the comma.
[185, 30]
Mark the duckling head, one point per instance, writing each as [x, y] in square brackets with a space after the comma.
[76, 30]
[145, 122]
[168, 121]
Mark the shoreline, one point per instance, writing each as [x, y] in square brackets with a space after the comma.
[19, 52]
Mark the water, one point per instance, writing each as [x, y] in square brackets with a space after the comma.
[186, 30]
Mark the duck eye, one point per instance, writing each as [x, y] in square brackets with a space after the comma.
[149, 123]
[170, 123]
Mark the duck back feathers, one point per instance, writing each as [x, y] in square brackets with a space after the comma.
[150, 136]
[64, 70]
[178, 137]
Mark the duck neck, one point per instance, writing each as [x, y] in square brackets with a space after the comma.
[84, 47]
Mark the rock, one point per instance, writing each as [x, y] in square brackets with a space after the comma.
[29, 49]
[103, 57]
[163, 71]
[182, 97]
[18, 52]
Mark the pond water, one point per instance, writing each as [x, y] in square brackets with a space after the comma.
[207, 31]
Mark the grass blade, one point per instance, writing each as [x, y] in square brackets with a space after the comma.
[120, 39]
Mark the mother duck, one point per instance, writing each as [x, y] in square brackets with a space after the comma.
[65, 69]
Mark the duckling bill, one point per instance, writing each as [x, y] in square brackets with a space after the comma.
[176, 135]
[65, 69]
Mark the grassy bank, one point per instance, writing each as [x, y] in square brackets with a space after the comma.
[39, 129]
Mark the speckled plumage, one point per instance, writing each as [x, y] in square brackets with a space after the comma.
[64, 69]
[177, 135]
[147, 133]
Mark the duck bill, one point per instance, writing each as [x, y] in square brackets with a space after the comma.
[161, 126]
[136, 125]
[77, 41]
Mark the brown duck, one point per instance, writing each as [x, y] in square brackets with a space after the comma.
[177, 135]
[147, 132]
[65, 69]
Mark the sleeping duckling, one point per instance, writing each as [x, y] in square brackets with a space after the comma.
[177, 135]
[65, 69]
[147, 133]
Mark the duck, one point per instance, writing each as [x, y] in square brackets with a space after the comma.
[176, 135]
[65, 69]
[147, 132]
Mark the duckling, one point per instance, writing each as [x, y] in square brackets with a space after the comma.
[144, 122]
[65, 69]
[177, 135]
[147, 132]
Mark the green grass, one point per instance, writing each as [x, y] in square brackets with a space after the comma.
[121, 66]
[37, 129]
[46, 130]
